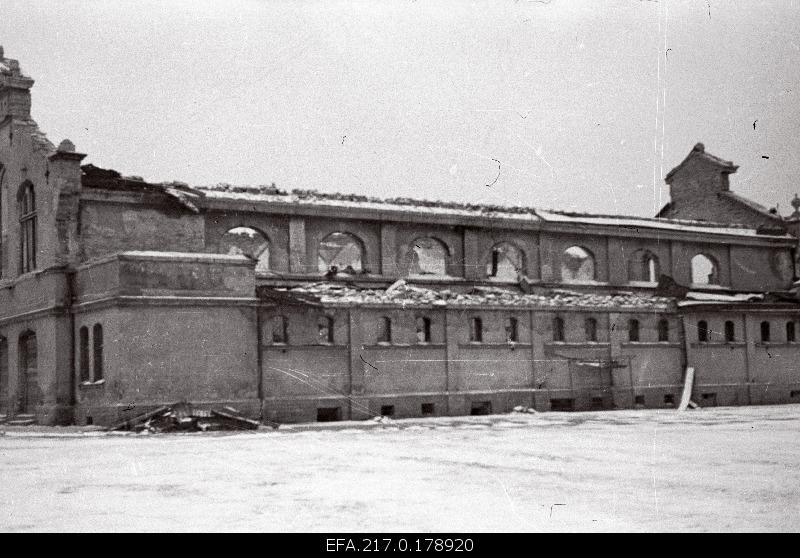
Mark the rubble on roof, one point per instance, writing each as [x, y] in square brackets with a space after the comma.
[405, 294]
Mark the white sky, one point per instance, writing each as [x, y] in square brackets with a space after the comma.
[576, 100]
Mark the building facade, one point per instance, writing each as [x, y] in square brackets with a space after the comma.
[118, 296]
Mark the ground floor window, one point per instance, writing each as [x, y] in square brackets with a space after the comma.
[329, 414]
[387, 410]
[481, 408]
[428, 409]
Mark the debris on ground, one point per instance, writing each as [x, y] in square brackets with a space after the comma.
[184, 417]
[382, 419]
[523, 409]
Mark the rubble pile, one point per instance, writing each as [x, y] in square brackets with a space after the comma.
[183, 417]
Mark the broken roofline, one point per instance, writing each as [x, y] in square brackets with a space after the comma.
[204, 196]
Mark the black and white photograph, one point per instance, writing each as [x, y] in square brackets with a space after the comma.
[399, 274]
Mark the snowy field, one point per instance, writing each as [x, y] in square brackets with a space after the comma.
[724, 469]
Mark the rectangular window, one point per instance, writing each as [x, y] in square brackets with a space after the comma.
[97, 352]
[765, 332]
[476, 330]
[329, 414]
[669, 399]
[795, 394]
[83, 353]
[384, 330]
[562, 404]
[279, 334]
[633, 331]
[481, 408]
[639, 400]
[512, 331]
[597, 403]
[387, 410]
[423, 330]
[428, 409]
[709, 399]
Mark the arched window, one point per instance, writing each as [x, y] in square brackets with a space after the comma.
[342, 251]
[97, 352]
[702, 331]
[428, 257]
[28, 391]
[512, 330]
[423, 330]
[633, 330]
[83, 354]
[247, 241]
[704, 270]
[385, 330]
[280, 335]
[3, 374]
[325, 330]
[790, 332]
[765, 332]
[476, 330]
[663, 330]
[27, 223]
[577, 265]
[590, 327]
[558, 328]
[643, 266]
[730, 332]
[505, 262]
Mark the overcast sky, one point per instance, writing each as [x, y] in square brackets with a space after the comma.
[566, 105]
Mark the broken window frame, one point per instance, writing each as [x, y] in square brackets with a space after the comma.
[325, 333]
[712, 277]
[423, 329]
[509, 252]
[442, 259]
[261, 253]
[512, 330]
[570, 277]
[280, 324]
[643, 267]
[348, 239]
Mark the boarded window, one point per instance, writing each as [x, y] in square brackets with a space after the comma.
[83, 353]
[27, 223]
[342, 251]
[577, 265]
[246, 241]
[384, 330]
[704, 270]
[505, 263]
[643, 266]
[279, 330]
[765, 333]
[512, 330]
[325, 330]
[423, 326]
[663, 330]
[790, 332]
[702, 331]
[730, 331]
[428, 257]
[633, 330]
[476, 330]
[590, 327]
[558, 328]
[97, 352]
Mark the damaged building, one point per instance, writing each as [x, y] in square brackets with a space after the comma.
[119, 296]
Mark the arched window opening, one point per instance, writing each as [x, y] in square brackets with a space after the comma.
[27, 224]
[663, 330]
[423, 326]
[730, 332]
[247, 241]
[385, 330]
[428, 257]
[633, 330]
[590, 327]
[505, 263]
[83, 354]
[341, 251]
[97, 352]
[704, 270]
[558, 328]
[790, 332]
[3, 375]
[644, 267]
[29, 393]
[702, 331]
[577, 265]
[512, 330]
[325, 330]
[476, 330]
[765, 334]
[280, 334]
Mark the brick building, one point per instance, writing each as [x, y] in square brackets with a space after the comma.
[118, 295]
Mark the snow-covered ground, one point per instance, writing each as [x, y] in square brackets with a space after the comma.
[724, 469]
